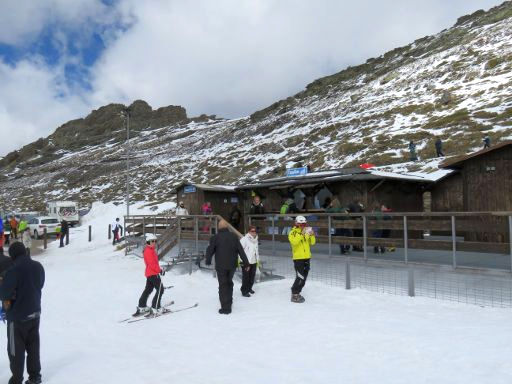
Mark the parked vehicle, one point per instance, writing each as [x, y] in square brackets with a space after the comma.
[61, 210]
[38, 224]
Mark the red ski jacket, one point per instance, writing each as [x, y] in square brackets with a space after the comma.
[151, 261]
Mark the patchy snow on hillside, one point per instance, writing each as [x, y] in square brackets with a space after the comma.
[336, 336]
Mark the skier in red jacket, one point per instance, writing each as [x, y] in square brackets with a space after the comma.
[153, 281]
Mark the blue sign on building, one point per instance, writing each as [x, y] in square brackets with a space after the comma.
[297, 171]
[190, 189]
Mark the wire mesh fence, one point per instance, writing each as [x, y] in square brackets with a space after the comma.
[470, 287]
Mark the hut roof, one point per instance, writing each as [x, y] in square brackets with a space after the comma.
[207, 187]
[458, 161]
[349, 174]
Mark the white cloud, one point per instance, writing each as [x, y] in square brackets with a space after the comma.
[22, 20]
[224, 57]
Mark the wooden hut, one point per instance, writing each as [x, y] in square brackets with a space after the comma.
[222, 198]
[482, 182]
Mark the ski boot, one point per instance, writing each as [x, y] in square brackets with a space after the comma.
[297, 298]
[36, 380]
[141, 311]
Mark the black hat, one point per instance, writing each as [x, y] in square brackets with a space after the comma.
[16, 250]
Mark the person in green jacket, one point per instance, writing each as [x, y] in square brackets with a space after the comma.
[22, 225]
[301, 237]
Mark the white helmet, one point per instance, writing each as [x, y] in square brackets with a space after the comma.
[149, 237]
[300, 220]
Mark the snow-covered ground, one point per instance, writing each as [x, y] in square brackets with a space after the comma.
[337, 336]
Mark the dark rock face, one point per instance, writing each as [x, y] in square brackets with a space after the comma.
[102, 125]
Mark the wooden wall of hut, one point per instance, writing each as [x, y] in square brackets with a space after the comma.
[222, 202]
[447, 194]
[192, 200]
[487, 181]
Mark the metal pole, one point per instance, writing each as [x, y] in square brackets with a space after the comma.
[411, 282]
[110, 231]
[154, 225]
[273, 237]
[406, 241]
[144, 227]
[330, 238]
[127, 114]
[365, 239]
[454, 244]
[178, 222]
[67, 237]
[510, 238]
[196, 225]
[45, 238]
[347, 273]
[90, 233]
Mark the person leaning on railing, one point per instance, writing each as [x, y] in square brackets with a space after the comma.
[301, 237]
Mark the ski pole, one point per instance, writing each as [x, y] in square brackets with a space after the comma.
[158, 294]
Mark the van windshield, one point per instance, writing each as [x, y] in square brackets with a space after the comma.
[49, 221]
[67, 211]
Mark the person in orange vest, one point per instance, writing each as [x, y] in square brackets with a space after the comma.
[14, 227]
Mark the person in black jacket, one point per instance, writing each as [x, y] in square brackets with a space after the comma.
[226, 247]
[22, 286]
[64, 231]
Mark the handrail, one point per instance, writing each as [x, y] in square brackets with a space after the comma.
[398, 214]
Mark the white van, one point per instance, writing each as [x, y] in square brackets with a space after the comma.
[61, 210]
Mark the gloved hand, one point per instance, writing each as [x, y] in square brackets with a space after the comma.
[308, 231]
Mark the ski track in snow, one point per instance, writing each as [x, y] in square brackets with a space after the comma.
[337, 336]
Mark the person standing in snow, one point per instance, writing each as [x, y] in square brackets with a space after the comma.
[487, 141]
[14, 227]
[439, 147]
[250, 245]
[412, 151]
[226, 247]
[257, 206]
[24, 280]
[64, 231]
[153, 280]
[181, 210]
[117, 229]
[26, 239]
[301, 237]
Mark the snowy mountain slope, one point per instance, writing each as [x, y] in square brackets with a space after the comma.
[456, 85]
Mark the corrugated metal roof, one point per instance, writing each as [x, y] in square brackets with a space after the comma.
[457, 161]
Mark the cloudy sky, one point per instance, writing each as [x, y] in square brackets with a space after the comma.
[223, 57]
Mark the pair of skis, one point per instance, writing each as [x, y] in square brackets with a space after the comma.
[166, 310]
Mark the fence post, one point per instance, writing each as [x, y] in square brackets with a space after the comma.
[154, 225]
[411, 282]
[45, 239]
[347, 273]
[365, 239]
[178, 229]
[110, 231]
[216, 224]
[190, 262]
[454, 244]
[273, 237]
[196, 229]
[510, 238]
[90, 233]
[330, 236]
[406, 241]
[144, 227]
[67, 237]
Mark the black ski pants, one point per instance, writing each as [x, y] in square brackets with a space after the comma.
[301, 272]
[23, 337]
[225, 278]
[248, 278]
[152, 282]
[62, 238]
